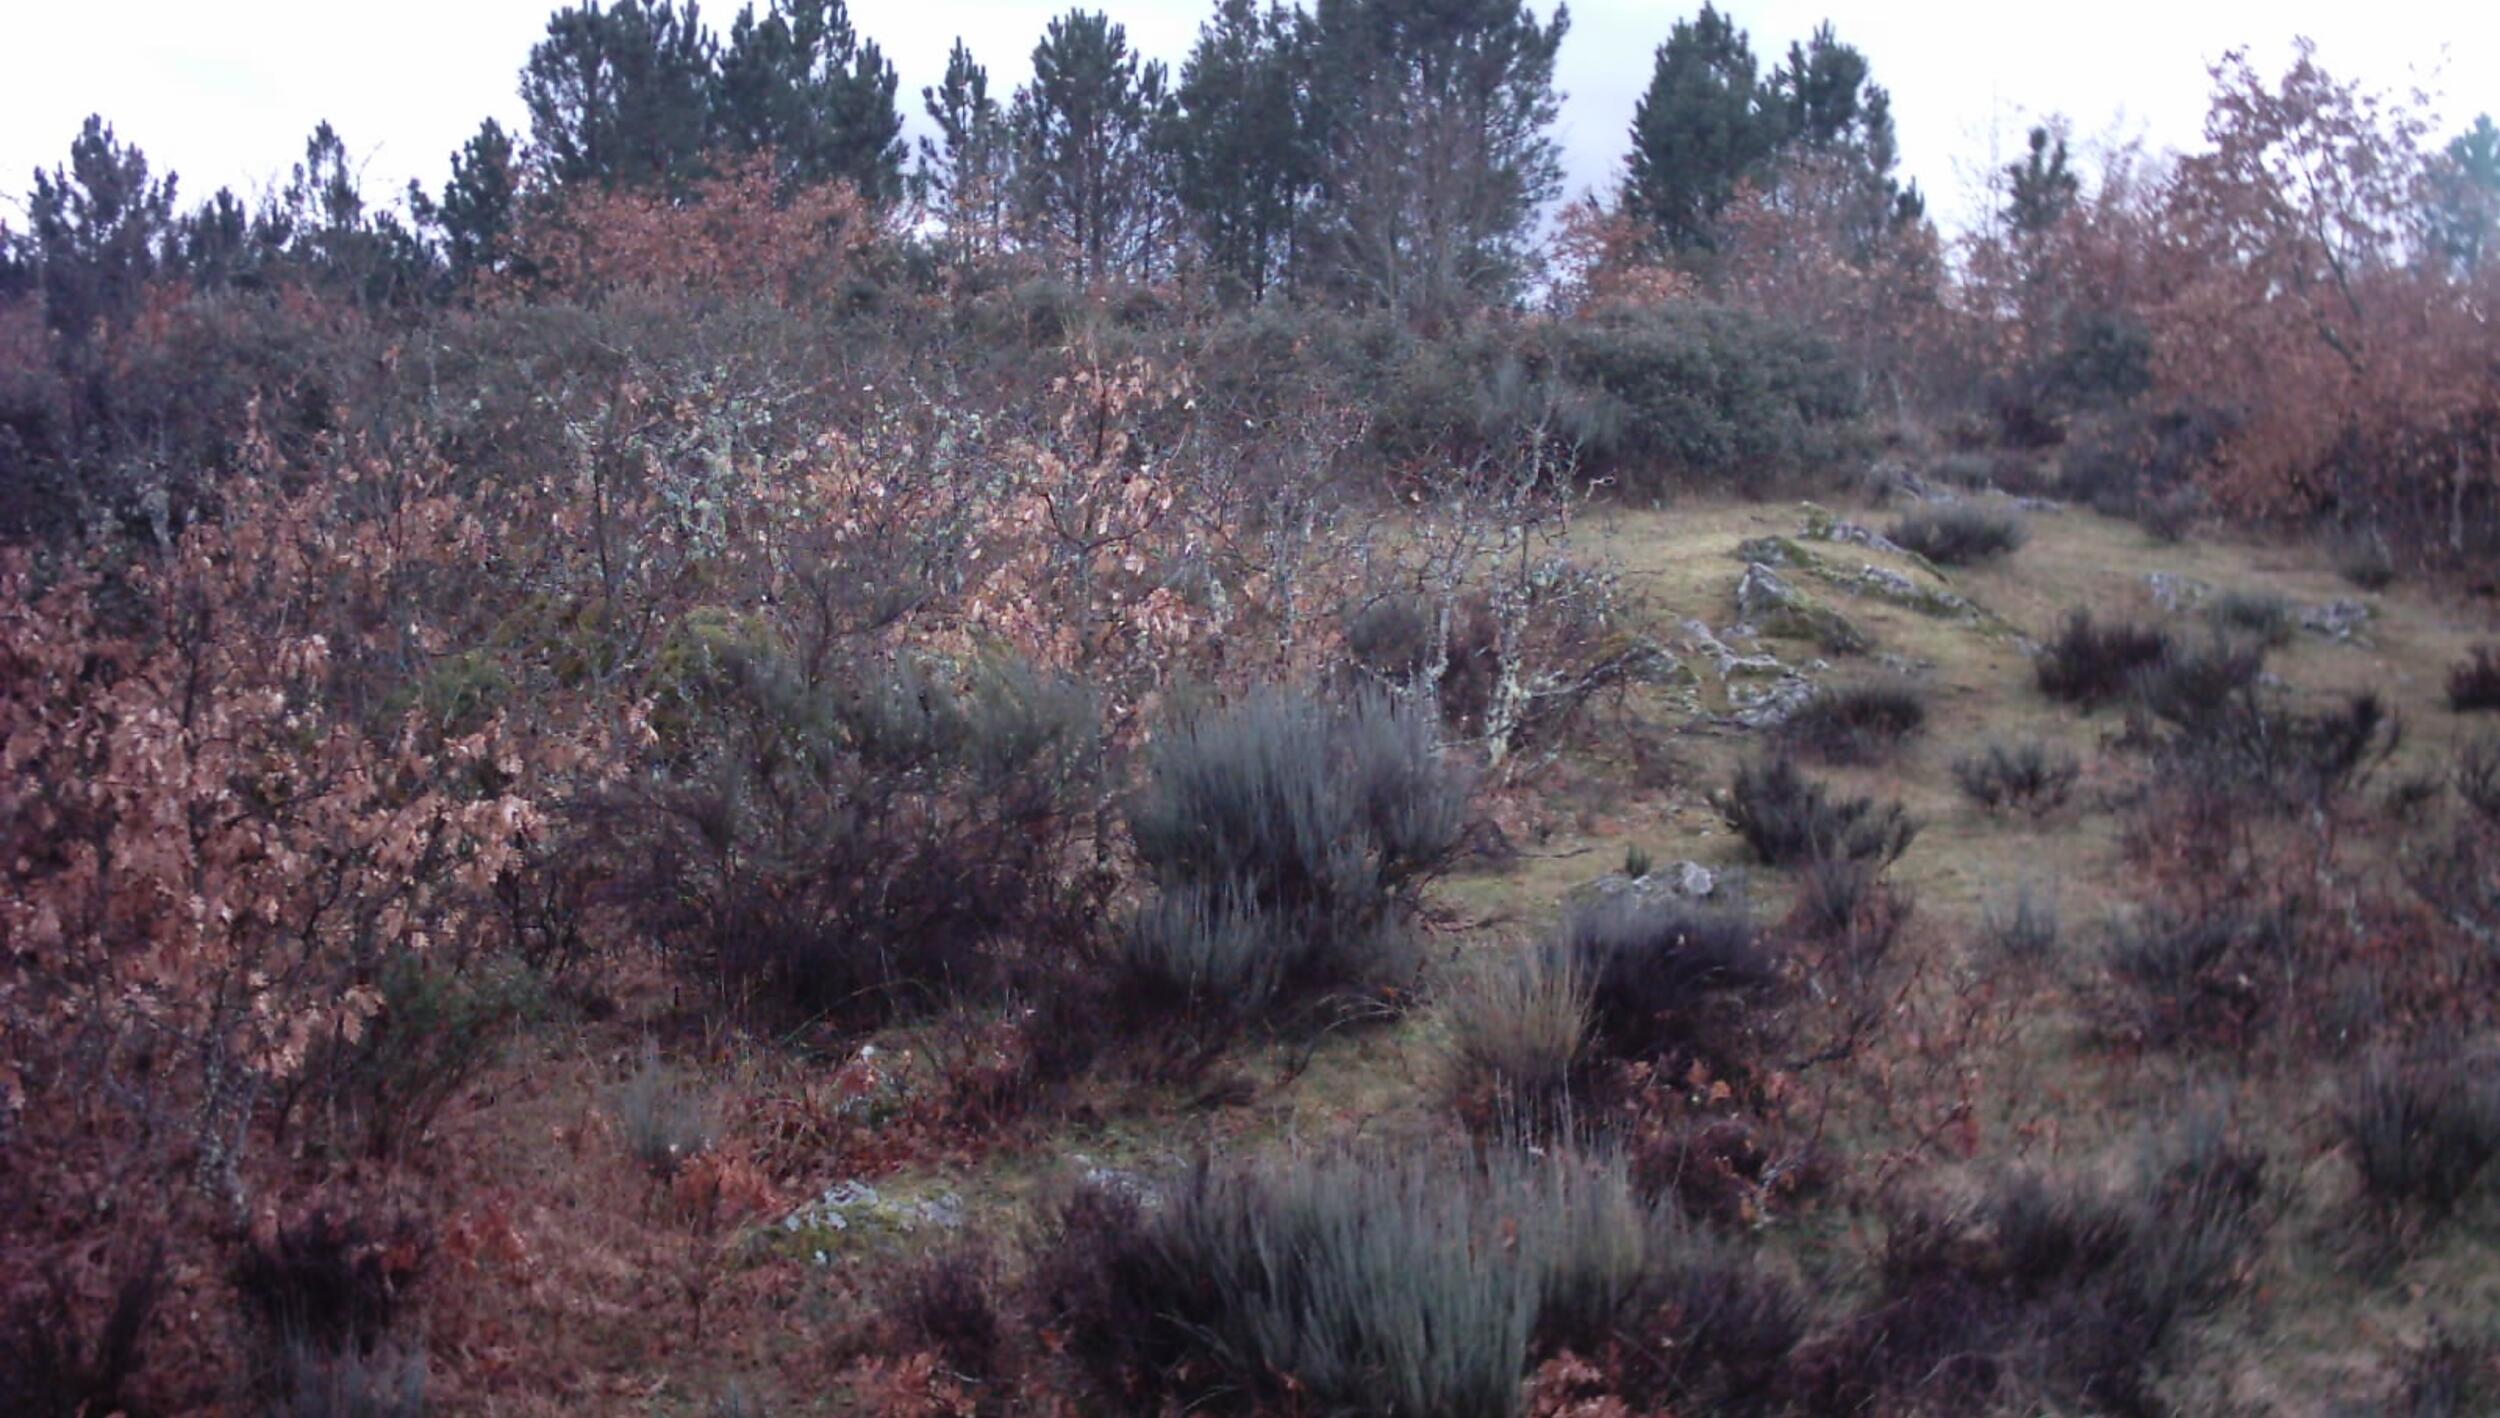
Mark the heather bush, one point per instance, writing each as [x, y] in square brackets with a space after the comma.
[2474, 682]
[665, 1117]
[2423, 1132]
[2030, 776]
[2365, 560]
[2262, 617]
[1287, 838]
[2090, 664]
[1855, 723]
[1852, 915]
[2021, 924]
[1788, 819]
[946, 1304]
[2047, 1288]
[1355, 1281]
[1960, 533]
[2195, 977]
[317, 1381]
[2448, 1376]
[1518, 1031]
[2478, 777]
[1666, 978]
[1711, 1330]
[2193, 685]
[2235, 734]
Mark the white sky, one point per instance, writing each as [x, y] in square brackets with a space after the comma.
[225, 94]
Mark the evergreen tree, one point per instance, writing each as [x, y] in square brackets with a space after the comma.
[320, 221]
[2040, 190]
[219, 245]
[2462, 222]
[620, 96]
[801, 83]
[1705, 125]
[1831, 111]
[17, 266]
[97, 231]
[474, 219]
[967, 172]
[1430, 119]
[1241, 161]
[1086, 170]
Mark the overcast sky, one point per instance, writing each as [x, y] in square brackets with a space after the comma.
[225, 94]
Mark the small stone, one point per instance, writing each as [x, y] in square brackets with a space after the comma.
[2340, 619]
[2173, 592]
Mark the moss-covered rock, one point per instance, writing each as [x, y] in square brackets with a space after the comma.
[1775, 607]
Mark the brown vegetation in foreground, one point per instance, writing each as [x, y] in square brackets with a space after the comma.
[549, 842]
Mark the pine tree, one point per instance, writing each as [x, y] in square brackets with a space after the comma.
[97, 231]
[967, 172]
[1430, 119]
[327, 235]
[219, 245]
[1706, 124]
[2041, 189]
[800, 83]
[1832, 112]
[480, 202]
[621, 96]
[2461, 223]
[1241, 159]
[1086, 170]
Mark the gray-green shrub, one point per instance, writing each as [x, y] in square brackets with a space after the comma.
[1354, 1280]
[1287, 837]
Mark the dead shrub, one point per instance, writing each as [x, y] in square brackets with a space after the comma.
[2474, 682]
[1788, 819]
[2029, 776]
[2423, 1132]
[2089, 664]
[946, 1304]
